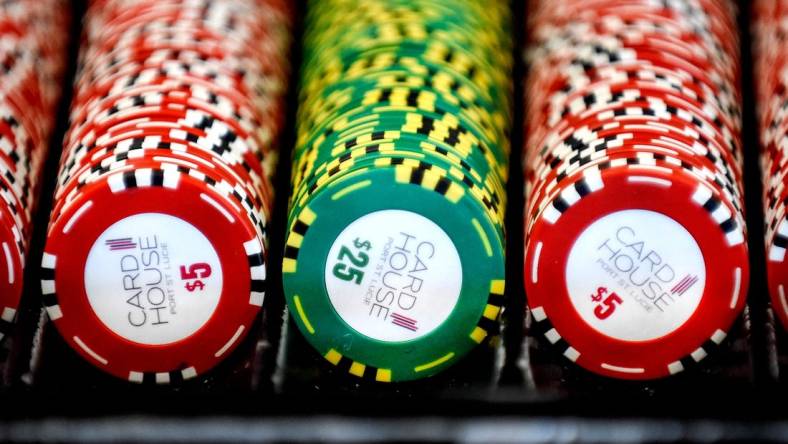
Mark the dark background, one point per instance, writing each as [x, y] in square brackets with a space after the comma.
[276, 388]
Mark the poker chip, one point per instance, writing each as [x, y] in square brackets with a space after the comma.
[393, 266]
[635, 244]
[772, 104]
[32, 65]
[154, 268]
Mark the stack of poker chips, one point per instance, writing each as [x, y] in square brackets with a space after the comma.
[394, 259]
[33, 48]
[770, 25]
[636, 256]
[154, 267]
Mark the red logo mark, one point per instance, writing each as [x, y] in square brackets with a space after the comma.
[121, 244]
[404, 322]
[685, 284]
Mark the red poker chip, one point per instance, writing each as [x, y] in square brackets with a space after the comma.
[649, 132]
[633, 112]
[200, 159]
[104, 62]
[16, 198]
[31, 85]
[646, 89]
[244, 73]
[173, 138]
[667, 111]
[236, 193]
[555, 148]
[175, 101]
[161, 74]
[629, 147]
[149, 117]
[624, 57]
[770, 63]
[242, 164]
[159, 331]
[175, 12]
[11, 269]
[660, 25]
[728, 115]
[167, 93]
[621, 50]
[545, 198]
[777, 270]
[156, 75]
[567, 82]
[236, 42]
[683, 138]
[688, 50]
[639, 98]
[14, 114]
[633, 138]
[623, 80]
[199, 92]
[645, 157]
[559, 252]
[67, 194]
[722, 25]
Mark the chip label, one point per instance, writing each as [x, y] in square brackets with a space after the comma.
[635, 275]
[153, 279]
[393, 275]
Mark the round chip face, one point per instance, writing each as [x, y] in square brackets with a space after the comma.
[415, 282]
[620, 270]
[676, 327]
[636, 261]
[156, 303]
[154, 266]
[137, 330]
[400, 292]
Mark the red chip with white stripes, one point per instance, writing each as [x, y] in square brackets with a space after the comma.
[32, 63]
[636, 255]
[154, 268]
[770, 23]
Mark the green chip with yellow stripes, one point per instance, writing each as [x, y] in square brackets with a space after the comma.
[488, 190]
[393, 274]
[394, 260]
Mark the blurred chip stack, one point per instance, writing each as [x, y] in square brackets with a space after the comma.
[394, 258]
[154, 268]
[31, 73]
[636, 255]
[770, 26]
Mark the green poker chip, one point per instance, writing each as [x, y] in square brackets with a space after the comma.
[464, 84]
[408, 153]
[404, 143]
[334, 116]
[393, 268]
[377, 142]
[394, 90]
[442, 57]
[392, 274]
[419, 124]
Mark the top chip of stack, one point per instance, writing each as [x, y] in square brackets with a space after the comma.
[770, 25]
[636, 260]
[154, 267]
[31, 76]
[394, 259]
